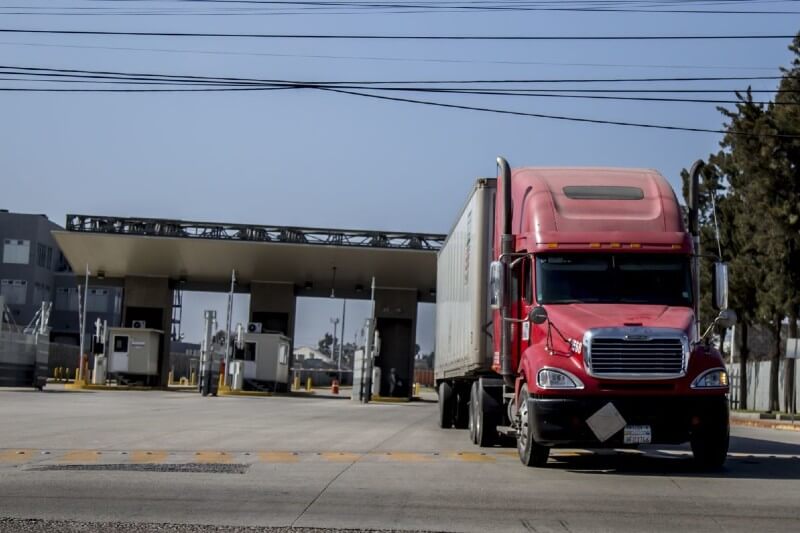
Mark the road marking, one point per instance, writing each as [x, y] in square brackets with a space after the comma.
[24, 456]
[16, 456]
[406, 457]
[474, 457]
[148, 457]
[278, 457]
[212, 457]
[341, 457]
[80, 456]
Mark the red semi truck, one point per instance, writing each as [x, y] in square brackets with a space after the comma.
[567, 316]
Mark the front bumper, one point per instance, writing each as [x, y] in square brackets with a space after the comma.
[562, 421]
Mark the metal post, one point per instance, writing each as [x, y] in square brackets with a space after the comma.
[83, 316]
[226, 379]
[205, 352]
[368, 345]
[341, 339]
[335, 322]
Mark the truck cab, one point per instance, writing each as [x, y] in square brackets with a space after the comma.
[593, 298]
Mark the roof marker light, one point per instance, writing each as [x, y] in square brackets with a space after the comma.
[594, 245]
[676, 246]
[635, 245]
[552, 245]
[615, 245]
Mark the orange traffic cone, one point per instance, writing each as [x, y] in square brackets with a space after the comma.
[335, 386]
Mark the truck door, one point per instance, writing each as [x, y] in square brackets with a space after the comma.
[521, 302]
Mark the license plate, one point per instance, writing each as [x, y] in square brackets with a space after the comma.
[637, 435]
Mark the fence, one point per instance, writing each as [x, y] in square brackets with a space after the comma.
[64, 356]
[424, 376]
[758, 384]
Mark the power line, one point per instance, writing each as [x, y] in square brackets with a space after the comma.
[394, 59]
[350, 8]
[45, 71]
[321, 36]
[553, 117]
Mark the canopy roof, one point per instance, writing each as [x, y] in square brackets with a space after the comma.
[202, 255]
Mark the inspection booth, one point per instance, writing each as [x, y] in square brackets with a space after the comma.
[263, 360]
[133, 354]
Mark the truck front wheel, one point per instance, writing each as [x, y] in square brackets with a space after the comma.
[710, 444]
[445, 405]
[530, 453]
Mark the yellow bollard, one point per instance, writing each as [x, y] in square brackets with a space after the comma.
[170, 378]
[308, 383]
[416, 389]
[193, 379]
[296, 383]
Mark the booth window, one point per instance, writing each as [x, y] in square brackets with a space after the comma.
[283, 354]
[120, 343]
[249, 351]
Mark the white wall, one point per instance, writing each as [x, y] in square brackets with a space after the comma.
[758, 384]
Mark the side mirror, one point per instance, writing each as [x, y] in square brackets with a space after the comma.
[538, 315]
[726, 318]
[497, 284]
[720, 285]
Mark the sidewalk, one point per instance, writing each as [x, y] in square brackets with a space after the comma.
[765, 420]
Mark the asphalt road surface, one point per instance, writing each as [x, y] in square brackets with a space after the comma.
[174, 461]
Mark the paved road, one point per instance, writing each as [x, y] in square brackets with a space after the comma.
[183, 460]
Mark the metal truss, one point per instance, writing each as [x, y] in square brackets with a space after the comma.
[154, 227]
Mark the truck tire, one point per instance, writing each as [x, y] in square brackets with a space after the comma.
[710, 444]
[487, 417]
[461, 407]
[473, 410]
[445, 405]
[530, 453]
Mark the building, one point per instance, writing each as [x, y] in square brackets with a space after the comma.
[33, 270]
[307, 353]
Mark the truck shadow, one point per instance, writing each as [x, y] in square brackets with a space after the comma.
[747, 459]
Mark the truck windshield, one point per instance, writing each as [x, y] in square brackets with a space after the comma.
[614, 278]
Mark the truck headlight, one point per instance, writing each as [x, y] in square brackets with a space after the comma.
[716, 378]
[551, 378]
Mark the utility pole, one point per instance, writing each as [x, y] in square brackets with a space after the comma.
[228, 330]
[83, 319]
[335, 322]
[341, 339]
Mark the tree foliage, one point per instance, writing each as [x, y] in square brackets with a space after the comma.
[754, 181]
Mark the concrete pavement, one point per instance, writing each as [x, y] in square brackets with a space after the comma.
[187, 461]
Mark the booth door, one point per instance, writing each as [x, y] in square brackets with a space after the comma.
[396, 352]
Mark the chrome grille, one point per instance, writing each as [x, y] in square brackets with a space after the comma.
[635, 355]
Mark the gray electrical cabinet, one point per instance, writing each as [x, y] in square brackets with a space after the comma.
[265, 359]
[133, 351]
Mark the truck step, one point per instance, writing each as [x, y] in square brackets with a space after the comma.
[508, 395]
[507, 431]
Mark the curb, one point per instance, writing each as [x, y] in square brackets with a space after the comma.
[765, 424]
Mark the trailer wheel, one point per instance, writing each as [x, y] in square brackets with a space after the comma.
[445, 405]
[473, 412]
[710, 444]
[530, 453]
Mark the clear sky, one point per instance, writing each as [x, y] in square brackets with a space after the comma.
[319, 159]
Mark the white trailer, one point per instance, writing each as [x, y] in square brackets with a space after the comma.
[464, 349]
